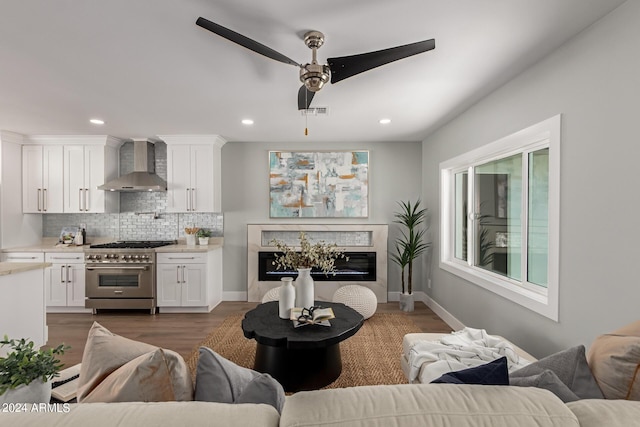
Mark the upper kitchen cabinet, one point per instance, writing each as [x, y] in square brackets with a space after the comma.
[42, 178]
[194, 173]
[81, 164]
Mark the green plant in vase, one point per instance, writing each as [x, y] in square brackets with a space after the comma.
[25, 365]
[409, 246]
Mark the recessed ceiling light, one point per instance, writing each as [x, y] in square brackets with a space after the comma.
[385, 121]
[247, 122]
[97, 121]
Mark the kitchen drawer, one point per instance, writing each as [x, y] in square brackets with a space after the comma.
[182, 258]
[64, 258]
[23, 257]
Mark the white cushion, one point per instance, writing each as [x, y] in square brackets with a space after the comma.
[427, 405]
[359, 298]
[272, 295]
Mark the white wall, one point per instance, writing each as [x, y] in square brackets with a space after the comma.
[16, 229]
[394, 174]
[593, 80]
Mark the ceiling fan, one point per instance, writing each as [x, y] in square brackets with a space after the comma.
[314, 75]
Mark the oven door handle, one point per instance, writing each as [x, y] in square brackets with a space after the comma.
[142, 267]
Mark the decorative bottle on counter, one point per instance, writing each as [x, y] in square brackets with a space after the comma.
[287, 297]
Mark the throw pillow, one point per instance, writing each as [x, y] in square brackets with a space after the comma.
[105, 352]
[492, 373]
[615, 361]
[570, 367]
[144, 379]
[221, 380]
[547, 380]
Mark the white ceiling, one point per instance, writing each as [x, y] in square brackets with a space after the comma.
[147, 69]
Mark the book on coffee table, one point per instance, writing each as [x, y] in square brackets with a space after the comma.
[318, 316]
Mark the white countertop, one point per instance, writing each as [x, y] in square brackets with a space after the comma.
[19, 267]
[50, 244]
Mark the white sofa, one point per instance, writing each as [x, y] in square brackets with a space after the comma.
[405, 405]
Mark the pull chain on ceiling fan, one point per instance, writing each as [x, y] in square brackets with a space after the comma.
[315, 75]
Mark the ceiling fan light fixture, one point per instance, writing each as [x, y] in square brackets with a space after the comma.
[314, 76]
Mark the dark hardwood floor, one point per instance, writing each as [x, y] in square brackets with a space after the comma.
[179, 332]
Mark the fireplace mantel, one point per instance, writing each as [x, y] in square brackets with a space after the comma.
[348, 237]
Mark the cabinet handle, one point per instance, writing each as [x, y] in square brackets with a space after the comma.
[9, 258]
[39, 197]
[178, 274]
[183, 257]
[44, 199]
[79, 199]
[188, 201]
[69, 274]
[183, 281]
[62, 274]
[193, 199]
[86, 199]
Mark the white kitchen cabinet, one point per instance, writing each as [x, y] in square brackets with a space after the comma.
[65, 282]
[189, 281]
[87, 167]
[61, 174]
[193, 173]
[42, 178]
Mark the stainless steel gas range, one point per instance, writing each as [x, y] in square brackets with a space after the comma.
[122, 275]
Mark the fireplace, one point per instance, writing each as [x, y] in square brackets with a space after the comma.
[359, 267]
[365, 244]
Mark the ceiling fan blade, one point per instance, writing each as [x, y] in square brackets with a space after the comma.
[348, 66]
[244, 41]
[304, 98]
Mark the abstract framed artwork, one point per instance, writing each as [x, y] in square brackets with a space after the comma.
[319, 184]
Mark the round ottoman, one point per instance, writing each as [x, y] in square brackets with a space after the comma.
[272, 295]
[361, 299]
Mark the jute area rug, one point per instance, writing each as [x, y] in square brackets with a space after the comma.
[370, 357]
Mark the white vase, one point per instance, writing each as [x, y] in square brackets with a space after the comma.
[304, 288]
[35, 392]
[286, 298]
[204, 241]
[191, 239]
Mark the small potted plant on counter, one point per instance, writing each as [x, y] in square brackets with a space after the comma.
[203, 236]
[26, 373]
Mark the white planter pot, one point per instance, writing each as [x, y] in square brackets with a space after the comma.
[204, 241]
[406, 302]
[304, 288]
[35, 392]
[286, 298]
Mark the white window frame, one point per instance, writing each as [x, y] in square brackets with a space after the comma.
[545, 134]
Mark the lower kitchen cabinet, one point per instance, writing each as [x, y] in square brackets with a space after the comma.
[65, 283]
[189, 281]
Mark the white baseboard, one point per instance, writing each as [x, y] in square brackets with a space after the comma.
[234, 296]
[448, 318]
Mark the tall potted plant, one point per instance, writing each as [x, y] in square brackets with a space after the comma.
[409, 246]
[26, 373]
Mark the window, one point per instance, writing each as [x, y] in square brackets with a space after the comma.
[500, 216]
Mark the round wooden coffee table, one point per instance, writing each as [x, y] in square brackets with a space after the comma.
[303, 358]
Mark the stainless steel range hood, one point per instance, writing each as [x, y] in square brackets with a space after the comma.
[143, 177]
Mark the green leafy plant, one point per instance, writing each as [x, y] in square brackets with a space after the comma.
[410, 246]
[25, 364]
[203, 232]
[320, 255]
